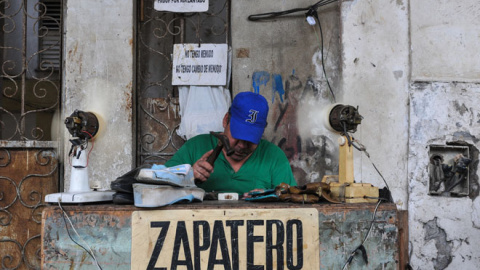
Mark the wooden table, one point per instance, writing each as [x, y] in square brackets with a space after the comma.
[224, 235]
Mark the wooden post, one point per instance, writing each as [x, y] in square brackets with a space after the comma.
[402, 239]
[345, 161]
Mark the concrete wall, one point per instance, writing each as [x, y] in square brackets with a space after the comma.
[410, 66]
[375, 77]
[284, 63]
[98, 53]
[444, 40]
[443, 229]
[443, 110]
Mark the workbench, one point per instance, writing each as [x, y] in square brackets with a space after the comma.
[224, 235]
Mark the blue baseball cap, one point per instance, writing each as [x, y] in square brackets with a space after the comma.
[248, 117]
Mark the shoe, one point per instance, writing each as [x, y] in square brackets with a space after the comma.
[124, 183]
[178, 176]
[146, 195]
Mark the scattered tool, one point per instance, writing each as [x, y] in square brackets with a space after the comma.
[222, 142]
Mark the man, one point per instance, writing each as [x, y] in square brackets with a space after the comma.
[255, 163]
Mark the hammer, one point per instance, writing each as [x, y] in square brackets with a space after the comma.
[222, 142]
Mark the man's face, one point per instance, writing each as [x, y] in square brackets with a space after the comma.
[243, 149]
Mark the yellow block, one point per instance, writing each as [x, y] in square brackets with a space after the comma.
[354, 192]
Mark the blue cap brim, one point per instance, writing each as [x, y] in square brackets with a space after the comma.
[242, 130]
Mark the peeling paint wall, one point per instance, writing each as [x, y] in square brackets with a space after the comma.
[443, 229]
[443, 100]
[98, 78]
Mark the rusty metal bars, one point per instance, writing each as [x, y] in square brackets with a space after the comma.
[157, 100]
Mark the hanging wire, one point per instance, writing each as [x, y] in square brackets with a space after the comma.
[65, 218]
[361, 247]
[310, 11]
[314, 13]
[360, 147]
[93, 144]
[272, 15]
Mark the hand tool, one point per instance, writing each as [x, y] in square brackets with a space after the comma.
[222, 142]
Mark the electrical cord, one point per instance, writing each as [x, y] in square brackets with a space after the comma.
[93, 144]
[360, 147]
[361, 247]
[271, 15]
[83, 146]
[65, 218]
[311, 11]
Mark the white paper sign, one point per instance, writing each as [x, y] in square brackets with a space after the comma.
[199, 65]
[181, 5]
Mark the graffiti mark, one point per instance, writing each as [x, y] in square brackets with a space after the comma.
[292, 85]
[277, 87]
[260, 78]
[312, 157]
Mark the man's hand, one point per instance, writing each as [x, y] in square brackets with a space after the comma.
[202, 169]
[251, 192]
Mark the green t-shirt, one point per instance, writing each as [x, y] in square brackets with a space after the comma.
[266, 168]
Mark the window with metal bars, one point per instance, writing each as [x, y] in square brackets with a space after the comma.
[30, 77]
[157, 99]
[50, 34]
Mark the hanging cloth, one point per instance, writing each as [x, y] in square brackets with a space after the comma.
[202, 109]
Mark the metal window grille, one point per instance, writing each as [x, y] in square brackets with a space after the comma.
[157, 100]
[50, 35]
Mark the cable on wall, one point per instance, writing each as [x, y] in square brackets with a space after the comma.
[311, 17]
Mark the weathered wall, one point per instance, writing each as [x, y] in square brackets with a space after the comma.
[375, 77]
[443, 229]
[282, 59]
[443, 110]
[445, 40]
[384, 49]
[399, 61]
[98, 53]
[365, 64]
